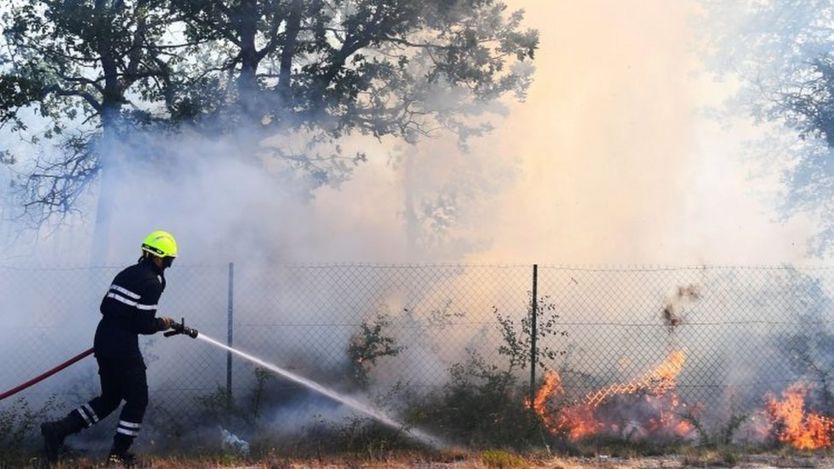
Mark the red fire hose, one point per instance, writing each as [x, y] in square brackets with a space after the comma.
[39, 378]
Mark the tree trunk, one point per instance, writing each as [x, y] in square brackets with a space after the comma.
[106, 147]
[108, 150]
[288, 51]
[248, 80]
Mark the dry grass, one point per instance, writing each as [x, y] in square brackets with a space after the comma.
[490, 459]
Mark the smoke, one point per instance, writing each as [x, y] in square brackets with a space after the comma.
[229, 200]
[619, 161]
[610, 160]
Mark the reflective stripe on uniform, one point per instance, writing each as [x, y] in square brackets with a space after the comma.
[128, 428]
[128, 302]
[125, 431]
[90, 412]
[125, 291]
[83, 414]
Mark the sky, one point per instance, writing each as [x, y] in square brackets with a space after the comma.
[613, 158]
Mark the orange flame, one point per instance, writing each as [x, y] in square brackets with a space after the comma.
[579, 420]
[552, 383]
[657, 381]
[576, 421]
[795, 426]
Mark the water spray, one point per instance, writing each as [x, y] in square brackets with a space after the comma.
[366, 409]
[181, 329]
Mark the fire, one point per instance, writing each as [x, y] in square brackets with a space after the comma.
[658, 381]
[552, 383]
[585, 418]
[795, 426]
[576, 421]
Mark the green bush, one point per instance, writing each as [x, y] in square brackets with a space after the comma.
[19, 425]
[481, 406]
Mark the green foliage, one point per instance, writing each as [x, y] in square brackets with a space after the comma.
[18, 424]
[518, 338]
[369, 344]
[362, 437]
[262, 377]
[481, 406]
[358, 435]
[367, 65]
[320, 68]
[729, 457]
[16, 92]
[220, 407]
[780, 53]
[83, 58]
[92, 70]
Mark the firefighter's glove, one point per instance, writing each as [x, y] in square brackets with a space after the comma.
[167, 323]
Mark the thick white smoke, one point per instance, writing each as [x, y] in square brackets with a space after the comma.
[610, 161]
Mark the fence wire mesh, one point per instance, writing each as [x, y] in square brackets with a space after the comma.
[744, 331]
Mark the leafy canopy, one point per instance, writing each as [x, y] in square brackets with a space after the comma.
[98, 69]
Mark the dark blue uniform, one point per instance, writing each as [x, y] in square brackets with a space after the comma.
[128, 309]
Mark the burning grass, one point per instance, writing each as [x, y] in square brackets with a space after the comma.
[793, 424]
[647, 407]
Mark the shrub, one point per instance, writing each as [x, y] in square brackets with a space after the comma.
[19, 424]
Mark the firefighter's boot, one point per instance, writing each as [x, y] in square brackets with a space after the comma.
[124, 459]
[55, 432]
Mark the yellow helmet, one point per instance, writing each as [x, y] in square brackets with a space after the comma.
[160, 243]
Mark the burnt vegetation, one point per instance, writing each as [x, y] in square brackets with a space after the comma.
[674, 312]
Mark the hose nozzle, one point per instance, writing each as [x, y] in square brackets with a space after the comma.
[181, 328]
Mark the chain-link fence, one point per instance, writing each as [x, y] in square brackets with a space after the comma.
[744, 331]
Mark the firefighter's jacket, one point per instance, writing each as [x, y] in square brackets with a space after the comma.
[129, 309]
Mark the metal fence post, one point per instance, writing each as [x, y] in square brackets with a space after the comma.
[534, 308]
[230, 329]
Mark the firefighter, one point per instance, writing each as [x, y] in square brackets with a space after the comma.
[128, 309]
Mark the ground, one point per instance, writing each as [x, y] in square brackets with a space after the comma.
[490, 460]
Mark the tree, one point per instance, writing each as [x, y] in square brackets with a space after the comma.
[783, 52]
[324, 68]
[404, 68]
[90, 68]
[358, 64]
